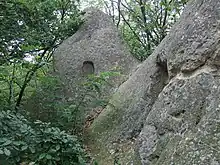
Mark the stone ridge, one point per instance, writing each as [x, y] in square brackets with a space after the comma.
[168, 112]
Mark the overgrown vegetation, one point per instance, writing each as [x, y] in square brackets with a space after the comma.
[38, 142]
[30, 32]
[49, 103]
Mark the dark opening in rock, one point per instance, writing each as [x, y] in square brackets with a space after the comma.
[88, 67]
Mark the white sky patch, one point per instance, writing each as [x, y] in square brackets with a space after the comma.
[90, 3]
[20, 22]
[29, 58]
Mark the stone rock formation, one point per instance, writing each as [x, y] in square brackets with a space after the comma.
[96, 47]
[168, 111]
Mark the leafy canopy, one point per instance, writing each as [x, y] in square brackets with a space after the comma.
[30, 32]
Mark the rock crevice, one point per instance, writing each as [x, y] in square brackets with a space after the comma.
[173, 96]
[168, 110]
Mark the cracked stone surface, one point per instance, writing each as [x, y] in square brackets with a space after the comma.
[185, 116]
[98, 42]
[172, 112]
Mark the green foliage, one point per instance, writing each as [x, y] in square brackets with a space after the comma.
[22, 141]
[146, 23]
[94, 83]
[30, 32]
[135, 46]
[11, 79]
[49, 101]
[46, 98]
[35, 24]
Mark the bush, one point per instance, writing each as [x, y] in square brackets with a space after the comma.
[39, 143]
[50, 103]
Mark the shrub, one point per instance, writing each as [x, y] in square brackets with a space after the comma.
[22, 141]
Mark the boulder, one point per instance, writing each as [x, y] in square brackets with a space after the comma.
[95, 48]
[168, 111]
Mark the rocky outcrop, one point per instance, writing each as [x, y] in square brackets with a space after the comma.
[96, 47]
[168, 111]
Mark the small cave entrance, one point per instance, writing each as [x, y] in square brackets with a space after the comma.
[88, 68]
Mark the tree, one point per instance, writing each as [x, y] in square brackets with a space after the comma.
[30, 32]
[149, 21]
[32, 29]
[144, 23]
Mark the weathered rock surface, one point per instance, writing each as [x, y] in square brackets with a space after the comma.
[96, 47]
[183, 125]
[97, 42]
[123, 119]
[168, 111]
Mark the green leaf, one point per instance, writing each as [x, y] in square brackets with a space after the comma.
[17, 143]
[43, 155]
[48, 157]
[57, 147]
[1, 152]
[32, 149]
[7, 143]
[7, 152]
[24, 148]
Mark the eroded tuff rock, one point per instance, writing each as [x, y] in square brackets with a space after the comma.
[97, 42]
[96, 47]
[168, 111]
[184, 122]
